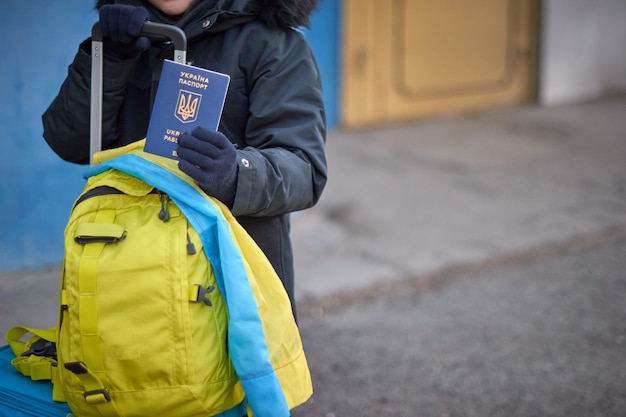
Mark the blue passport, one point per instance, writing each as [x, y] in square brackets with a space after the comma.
[186, 97]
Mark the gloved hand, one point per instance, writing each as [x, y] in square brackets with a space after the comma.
[211, 160]
[120, 25]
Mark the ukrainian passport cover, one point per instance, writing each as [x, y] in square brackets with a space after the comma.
[186, 97]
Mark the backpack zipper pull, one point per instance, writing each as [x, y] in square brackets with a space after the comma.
[164, 213]
[191, 249]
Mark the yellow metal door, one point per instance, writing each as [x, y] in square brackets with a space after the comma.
[405, 59]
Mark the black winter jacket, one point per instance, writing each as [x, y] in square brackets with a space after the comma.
[274, 112]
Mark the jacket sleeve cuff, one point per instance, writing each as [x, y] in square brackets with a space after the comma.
[250, 181]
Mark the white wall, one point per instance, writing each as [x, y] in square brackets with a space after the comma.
[583, 49]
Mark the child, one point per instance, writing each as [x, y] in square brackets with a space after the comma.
[268, 157]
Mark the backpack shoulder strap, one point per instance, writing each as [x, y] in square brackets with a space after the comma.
[35, 357]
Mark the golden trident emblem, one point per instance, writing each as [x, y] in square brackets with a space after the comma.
[187, 106]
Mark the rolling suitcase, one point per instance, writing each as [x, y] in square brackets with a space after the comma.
[20, 396]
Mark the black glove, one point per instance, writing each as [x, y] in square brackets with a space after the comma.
[211, 160]
[120, 26]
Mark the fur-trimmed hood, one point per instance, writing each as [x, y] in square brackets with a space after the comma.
[282, 14]
[285, 13]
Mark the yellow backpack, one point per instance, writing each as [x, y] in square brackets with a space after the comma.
[168, 308]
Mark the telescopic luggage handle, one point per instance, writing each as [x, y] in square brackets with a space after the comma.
[151, 30]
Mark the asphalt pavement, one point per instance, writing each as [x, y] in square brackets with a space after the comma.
[469, 265]
[543, 336]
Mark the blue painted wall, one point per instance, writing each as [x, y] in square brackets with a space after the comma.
[37, 189]
[39, 39]
[325, 41]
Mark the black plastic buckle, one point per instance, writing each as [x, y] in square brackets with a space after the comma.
[83, 240]
[42, 347]
[202, 294]
[76, 368]
[97, 392]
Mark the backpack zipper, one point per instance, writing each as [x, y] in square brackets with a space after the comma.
[164, 213]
